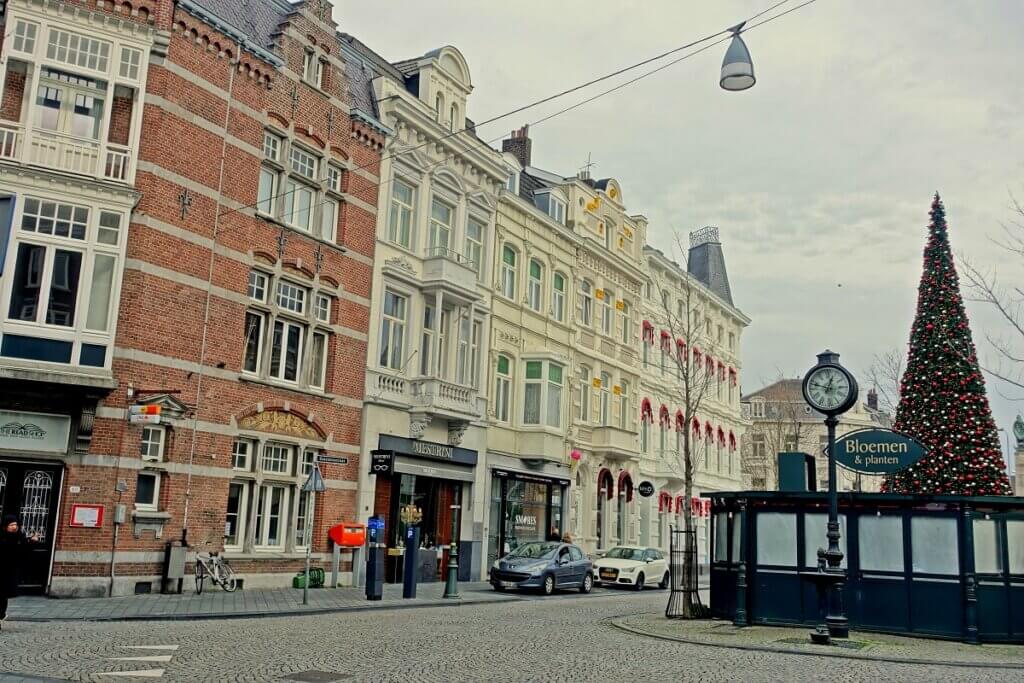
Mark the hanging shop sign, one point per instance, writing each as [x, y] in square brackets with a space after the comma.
[645, 489]
[877, 451]
[427, 449]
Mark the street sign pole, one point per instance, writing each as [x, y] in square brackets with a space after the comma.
[314, 484]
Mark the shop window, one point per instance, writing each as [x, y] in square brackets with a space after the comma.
[152, 444]
[931, 540]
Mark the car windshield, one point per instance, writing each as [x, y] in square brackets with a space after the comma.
[534, 550]
[620, 553]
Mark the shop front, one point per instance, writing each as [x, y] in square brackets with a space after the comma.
[32, 449]
[524, 507]
[427, 484]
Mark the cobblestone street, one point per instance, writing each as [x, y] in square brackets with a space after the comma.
[564, 638]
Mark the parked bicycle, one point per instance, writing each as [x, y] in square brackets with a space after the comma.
[213, 565]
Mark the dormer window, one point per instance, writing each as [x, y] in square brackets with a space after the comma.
[552, 204]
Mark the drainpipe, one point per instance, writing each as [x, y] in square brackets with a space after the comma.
[233, 64]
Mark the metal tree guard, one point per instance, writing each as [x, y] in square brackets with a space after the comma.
[683, 543]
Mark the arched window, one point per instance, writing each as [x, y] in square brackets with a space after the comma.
[509, 262]
[607, 311]
[586, 303]
[606, 407]
[503, 388]
[558, 297]
[534, 285]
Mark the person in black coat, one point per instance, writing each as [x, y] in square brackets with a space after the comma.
[13, 547]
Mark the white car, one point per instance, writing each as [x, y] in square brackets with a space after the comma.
[634, 566]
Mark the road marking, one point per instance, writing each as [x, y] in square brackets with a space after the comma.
[163, 659]
[144, 673]
[150, 647]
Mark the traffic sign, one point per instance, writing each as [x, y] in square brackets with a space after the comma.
[315, 482]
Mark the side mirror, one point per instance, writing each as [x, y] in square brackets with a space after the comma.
[649, 560]
[562, 561]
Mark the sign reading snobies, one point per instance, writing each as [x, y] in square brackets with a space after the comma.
[877, 451]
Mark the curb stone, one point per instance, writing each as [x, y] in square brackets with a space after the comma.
[617, 622]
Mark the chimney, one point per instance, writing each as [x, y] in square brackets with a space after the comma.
[706, 262]
[872, 399]
[519, 144]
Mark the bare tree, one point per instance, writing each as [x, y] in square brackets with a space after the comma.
[885, 373]
[986, 286]
[784, 428]
[693, 379]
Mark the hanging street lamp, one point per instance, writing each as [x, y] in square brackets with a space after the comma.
[737, 69]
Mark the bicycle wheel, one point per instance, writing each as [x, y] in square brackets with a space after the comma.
[200, 577]
[227, 578]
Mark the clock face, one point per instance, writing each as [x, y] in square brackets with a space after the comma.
[828, 388]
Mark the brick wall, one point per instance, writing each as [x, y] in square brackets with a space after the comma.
[120, 119]
[14, 91]
[163, 295]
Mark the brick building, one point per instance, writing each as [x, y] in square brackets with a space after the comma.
[213, 166]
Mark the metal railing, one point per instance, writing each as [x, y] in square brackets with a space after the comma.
[451, 255]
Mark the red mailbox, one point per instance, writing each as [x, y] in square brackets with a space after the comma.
[348, 535]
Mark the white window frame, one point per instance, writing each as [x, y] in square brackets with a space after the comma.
[318, 366]
[153, 505]
[607, 312]
[403, 215]
[475, 243]
[260, 335]
[549, 394]
[242, 515]
[286, 325]
[290, 297]
[606, 403]
[258, 284]
[242, 450]
[627, 330]
[586, 387]
[558, 296]
[587, 306]
[508, 271]
[503, 399]
[439, 229]
[323, 308]
[624, 412]
[153, 443]
[288, 450]
[262, 541]
[392, 332]
[534, 285]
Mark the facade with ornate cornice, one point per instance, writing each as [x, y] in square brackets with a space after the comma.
[425, 394]
[690, 370]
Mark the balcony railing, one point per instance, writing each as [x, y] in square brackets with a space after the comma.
[65, 153]
[451, 255]
[450, 271]
[443, 396]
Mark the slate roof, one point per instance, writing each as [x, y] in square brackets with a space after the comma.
[258, 19]
[706, 262]
[781, 390]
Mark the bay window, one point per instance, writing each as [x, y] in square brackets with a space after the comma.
[542, 393]
[69, 104]
[440, 232]
[503, 388]
[286, 338]
[63, 265]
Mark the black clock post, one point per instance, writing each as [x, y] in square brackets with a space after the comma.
[831, 389]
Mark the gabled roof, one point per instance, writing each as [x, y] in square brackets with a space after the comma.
[781, 390]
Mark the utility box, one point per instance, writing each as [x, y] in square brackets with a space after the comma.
[174, 567]
[348, 535]
[797, 472]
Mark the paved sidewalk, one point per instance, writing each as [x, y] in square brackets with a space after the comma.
[860, 645]
[216, 604]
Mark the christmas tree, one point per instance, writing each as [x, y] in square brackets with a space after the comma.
[942, 394]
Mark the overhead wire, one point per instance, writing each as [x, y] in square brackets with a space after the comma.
[539, 102]
[487, 143]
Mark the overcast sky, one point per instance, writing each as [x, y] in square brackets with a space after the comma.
[820, 177]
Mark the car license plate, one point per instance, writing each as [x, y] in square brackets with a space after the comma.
[507, 584]
[608, 574]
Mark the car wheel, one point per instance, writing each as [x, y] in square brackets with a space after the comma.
[664, 581]
[588, 583]
[549, 585]
[639, 582]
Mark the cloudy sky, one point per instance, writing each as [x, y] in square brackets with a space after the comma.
[820, 177]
